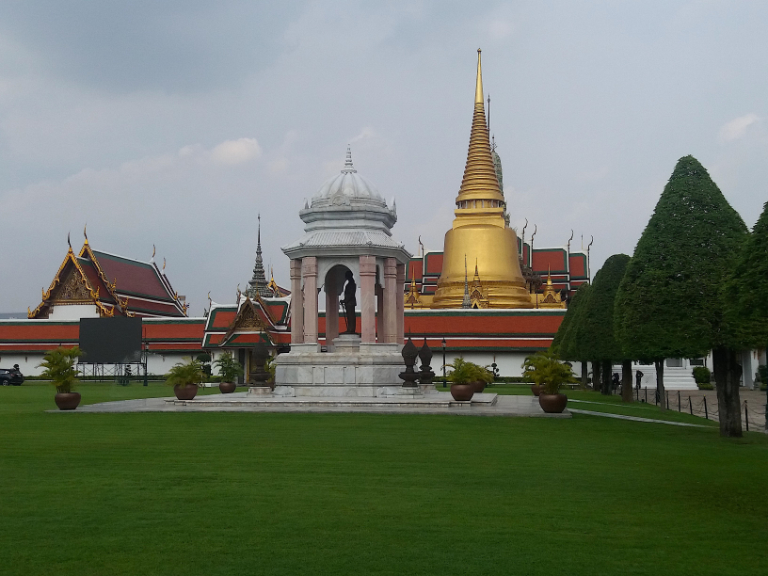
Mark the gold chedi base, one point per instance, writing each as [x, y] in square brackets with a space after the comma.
[493, 250]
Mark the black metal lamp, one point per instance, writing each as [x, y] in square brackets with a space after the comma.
[444, 384]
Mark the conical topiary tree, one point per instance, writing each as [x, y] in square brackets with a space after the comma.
[668, 304]
[566, 341]
[745, 294]
[597, 326]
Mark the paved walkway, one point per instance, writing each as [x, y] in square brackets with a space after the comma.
[635, 418]
[692, 401]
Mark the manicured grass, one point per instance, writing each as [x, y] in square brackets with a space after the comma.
[239, 493]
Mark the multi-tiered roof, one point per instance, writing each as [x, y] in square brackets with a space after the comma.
[115, 285]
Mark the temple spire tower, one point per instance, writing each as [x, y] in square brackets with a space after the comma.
[258, 283]
[479, 228]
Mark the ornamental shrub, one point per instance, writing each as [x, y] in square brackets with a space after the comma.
[702, 375]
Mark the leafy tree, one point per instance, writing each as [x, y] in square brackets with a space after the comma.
[597, 325]
[668, 304]
[566, 341]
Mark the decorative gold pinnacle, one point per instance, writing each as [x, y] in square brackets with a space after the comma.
[479, 85]
[480, 182]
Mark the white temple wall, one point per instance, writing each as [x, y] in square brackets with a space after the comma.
[73, 312]
[157, 364]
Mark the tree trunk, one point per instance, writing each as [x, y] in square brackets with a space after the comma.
[584, 375]
[606, 374]
[727, 375]
[626, 381]
[660, 392]
[595, 375]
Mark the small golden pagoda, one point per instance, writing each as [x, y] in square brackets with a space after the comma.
[479, 230]
[551, 297]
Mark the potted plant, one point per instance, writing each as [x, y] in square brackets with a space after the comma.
[483, 377]
[545, 369]
[60, 369]
[534, 369]
[462, 378]
[184, 377]
[229, 369]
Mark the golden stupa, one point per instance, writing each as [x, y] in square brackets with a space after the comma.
[480, 233]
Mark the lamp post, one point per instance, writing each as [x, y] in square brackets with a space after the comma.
[444, 385]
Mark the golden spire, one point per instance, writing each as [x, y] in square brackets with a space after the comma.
[479, 85]
[480, 181]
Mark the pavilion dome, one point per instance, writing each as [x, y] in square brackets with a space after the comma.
[346, 188]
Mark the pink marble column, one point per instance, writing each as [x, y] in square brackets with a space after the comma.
[331, 309]
[367, 299]
[297, 304]
[309, 272]
[400, 321]
[390, 301]
[379, 313]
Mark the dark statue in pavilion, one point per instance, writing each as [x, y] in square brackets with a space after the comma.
[349, 303]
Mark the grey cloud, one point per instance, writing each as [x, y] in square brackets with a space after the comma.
[172, 45]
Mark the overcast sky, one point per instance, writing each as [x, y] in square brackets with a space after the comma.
[175, 123]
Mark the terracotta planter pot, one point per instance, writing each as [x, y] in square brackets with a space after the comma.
[462, 392]
[553, 403]
[227, 387]
[67, 400]
[479, 386]
[187, 392]
[536, 389]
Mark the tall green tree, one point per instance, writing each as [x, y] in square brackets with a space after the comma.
[566, 341]
[597, 324]
[669, 304]
[745, 294]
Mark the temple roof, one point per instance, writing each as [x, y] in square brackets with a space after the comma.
[114, 284]
[348, 218]
[347, 186]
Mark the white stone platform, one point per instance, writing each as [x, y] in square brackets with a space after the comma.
[486, 404]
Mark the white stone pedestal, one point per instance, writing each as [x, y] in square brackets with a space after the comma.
[352, 369]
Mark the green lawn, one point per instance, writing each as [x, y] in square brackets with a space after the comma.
[238, 493]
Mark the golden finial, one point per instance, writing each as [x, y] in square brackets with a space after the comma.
[549, 275]
[154, 250]
[85, 232]
[163, 265]
[479, 85]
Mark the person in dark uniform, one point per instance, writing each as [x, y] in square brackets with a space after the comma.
[638, 377]
[350, 302]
